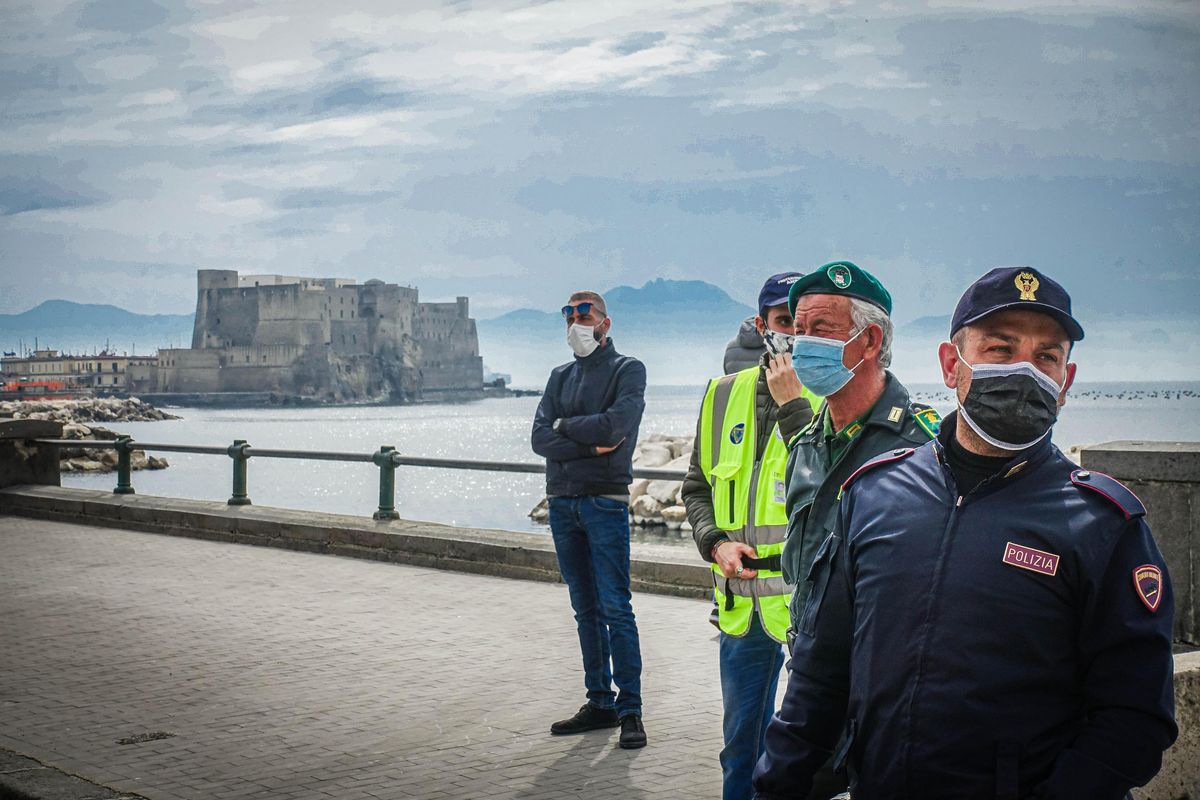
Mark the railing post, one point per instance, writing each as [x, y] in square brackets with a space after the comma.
[237, 451]
[387, 483]
[124, 451]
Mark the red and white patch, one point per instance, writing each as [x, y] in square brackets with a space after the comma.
[1147, 582]
[1019, 555]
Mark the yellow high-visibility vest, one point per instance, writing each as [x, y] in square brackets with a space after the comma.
[748, 501]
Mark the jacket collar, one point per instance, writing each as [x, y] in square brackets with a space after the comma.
[889, 412]
[1022, 460]
[601, 355]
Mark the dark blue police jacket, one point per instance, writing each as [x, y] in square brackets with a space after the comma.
[1013, 643]
[599, 398]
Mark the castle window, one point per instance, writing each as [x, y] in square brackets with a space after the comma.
[341, 315]
[351, 315]
[264, 358]
[247, 359]
[354, 337]
[218, 320]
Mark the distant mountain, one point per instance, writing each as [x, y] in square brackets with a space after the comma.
[79, 327]
[661, 305]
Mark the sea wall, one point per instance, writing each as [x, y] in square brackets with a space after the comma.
[1166, 476]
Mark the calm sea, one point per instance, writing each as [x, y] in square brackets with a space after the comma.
[498, 429]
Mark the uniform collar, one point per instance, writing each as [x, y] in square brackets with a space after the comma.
[1021, 461]
[889, 412]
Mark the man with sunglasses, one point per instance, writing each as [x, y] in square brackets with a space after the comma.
[586, 427]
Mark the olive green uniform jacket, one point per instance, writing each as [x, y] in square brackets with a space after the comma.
[815, 476]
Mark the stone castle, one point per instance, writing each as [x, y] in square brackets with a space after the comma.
[324, 338]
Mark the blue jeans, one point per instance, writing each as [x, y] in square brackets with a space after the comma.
[591, 538]
[750, 668]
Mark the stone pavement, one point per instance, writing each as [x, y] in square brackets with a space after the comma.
[280, 674]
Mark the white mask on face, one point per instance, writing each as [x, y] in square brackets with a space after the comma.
[582, 339]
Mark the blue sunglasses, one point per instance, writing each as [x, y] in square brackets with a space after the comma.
[582, 310]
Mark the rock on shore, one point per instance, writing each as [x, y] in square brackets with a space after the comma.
[651, 502]
[75, 413]
[95, 409]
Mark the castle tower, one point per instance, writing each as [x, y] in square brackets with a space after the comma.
[206, 281]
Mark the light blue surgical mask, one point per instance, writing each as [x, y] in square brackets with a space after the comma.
[818, 363]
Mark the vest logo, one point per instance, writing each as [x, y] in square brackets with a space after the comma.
[1033, 560]
[737, 433]
[1147, 580]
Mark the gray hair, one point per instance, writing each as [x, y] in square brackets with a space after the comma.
[863, 314]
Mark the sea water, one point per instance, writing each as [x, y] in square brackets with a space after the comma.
[497, 429]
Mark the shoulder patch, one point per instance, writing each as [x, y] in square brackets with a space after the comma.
[898, 454]
[928, 419]
[1111, 489]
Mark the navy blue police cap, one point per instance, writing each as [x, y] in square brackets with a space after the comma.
[1015, 287]
[775, 291]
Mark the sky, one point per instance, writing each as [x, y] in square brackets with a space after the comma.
[513, 152]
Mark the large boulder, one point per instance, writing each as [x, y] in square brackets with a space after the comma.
[674, 517]
[651, 455]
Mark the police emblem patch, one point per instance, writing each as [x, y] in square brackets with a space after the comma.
[1147, 580]
[929, 420]
[839, 275]
[737, 433]
[1027, 283]
[1028, 558]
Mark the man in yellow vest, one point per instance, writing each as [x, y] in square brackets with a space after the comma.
[735, 494]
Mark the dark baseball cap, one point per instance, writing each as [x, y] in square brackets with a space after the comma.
[775, 290]
[1015, 287]
[841, 277]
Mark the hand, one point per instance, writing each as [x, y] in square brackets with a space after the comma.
[729, 559]
[782, 380]
[602, 450]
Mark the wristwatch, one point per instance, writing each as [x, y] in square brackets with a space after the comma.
[557, 422]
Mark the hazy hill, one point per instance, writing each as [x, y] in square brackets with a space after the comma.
[78, 327]
[679, 328]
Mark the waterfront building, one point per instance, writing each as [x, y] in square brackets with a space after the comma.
[325, 338]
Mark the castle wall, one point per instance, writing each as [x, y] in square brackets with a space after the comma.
[449, 347]
[323, 337]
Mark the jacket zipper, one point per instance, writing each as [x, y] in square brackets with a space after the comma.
[939, 572]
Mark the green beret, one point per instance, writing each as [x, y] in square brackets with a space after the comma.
[841, 277]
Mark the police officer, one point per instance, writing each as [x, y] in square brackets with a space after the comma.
[734, 494]
[987, 620]
[843, 346]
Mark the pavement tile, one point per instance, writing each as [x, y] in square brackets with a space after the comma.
[285, 674]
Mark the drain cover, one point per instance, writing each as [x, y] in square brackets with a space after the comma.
[145, 737]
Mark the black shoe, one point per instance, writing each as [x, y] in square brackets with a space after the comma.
[633, 735]
[588, 718]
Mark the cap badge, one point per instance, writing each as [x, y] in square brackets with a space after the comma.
[1147, 581]
[839, 275]
[1027, 283]
[737, 433]
[1028, 558]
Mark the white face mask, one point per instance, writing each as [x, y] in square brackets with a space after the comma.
[582, 339]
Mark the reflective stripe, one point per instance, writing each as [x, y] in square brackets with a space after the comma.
[771, 534]
[720, 404]
[753, 587]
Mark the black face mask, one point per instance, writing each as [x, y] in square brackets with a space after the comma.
[1010, 406]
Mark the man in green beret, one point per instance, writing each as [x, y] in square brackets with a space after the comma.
[843, 347]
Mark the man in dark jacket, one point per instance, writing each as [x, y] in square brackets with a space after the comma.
[987, 619]
[745, 349]
[740, 439]
[586, 427]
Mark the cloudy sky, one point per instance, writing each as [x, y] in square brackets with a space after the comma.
[514, 151]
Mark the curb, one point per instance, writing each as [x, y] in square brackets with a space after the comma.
[23, 778]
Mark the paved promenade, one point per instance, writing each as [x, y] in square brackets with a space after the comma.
[289, 675]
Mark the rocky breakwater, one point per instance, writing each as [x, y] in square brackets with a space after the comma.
[651, 502]
[76, 416]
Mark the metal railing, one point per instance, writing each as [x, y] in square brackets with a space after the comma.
[387, 458]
